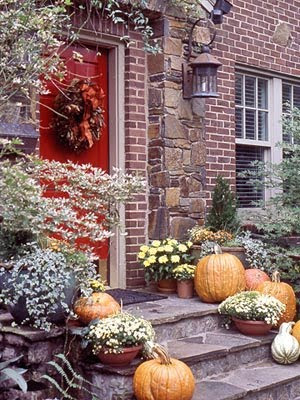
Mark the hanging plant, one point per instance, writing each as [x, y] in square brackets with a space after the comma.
[78, 120]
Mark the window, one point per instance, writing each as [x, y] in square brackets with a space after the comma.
[291, 95]
[260, 101]
[252, 132]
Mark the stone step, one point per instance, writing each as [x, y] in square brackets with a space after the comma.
[210, 355]
[220, 351]
[174, 318]
[266, 381]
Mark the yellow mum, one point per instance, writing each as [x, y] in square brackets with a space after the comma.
[163, 259]
[156, 243]
[168, 248]
[144, 248]
[141, 255]
[152, 259]
[152, 251]
[175, 259]
[146, 263]
[182, 247]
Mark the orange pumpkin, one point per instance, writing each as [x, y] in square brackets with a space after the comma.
[254, 277]
[98, 305]
[163, 378]
[296, 331]
[219, 276]
[284, 293]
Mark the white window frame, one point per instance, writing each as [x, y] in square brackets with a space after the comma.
[271, 153]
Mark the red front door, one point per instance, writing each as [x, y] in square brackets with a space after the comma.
[94, 65]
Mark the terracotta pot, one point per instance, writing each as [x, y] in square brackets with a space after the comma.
[185, 289]
[252, 327]
[167, 286]
[120, 359]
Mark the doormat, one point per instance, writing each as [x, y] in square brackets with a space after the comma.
[132, 297]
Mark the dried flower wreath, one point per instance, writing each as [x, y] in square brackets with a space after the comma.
[78, 120]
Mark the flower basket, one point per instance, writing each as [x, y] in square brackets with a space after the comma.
[252, 327]
[122, 335]
[253, 313]
[120, 359]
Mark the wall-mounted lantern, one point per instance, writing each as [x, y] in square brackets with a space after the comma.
[200, 75]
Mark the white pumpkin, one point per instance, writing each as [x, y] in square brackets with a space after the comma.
[285, 347]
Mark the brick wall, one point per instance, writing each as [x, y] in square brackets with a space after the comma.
[246, 38]
[135, 154]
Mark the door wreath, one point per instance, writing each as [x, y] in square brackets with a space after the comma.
[79, 116]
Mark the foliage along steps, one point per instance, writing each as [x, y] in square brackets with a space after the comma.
[226, 364]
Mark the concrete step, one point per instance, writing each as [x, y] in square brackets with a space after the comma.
[174, 318]
[266, 381]
[220, 351]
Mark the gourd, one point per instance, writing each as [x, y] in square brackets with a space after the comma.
[219, 276]
[296, 331]
[98, 305]
[163, 378]
[254, 277]
[285, 348]
[283, 292]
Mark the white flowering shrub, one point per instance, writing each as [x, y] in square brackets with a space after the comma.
[162, 256]
[47, 198]
[253, 306]
[114, 333]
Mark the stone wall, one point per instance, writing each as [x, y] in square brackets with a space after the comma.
[176, 142]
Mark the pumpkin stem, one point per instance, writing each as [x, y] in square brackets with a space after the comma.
[276, 277]
[217, 249]
[155, 349]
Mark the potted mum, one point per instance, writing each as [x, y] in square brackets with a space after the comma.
[252, 312]
[117, 340]
[160, 258]
[184, 275]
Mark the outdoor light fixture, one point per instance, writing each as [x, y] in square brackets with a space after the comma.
[200, 75]
[221, 7]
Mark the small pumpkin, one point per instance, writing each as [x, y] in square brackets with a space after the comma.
[163, 378]
[254, 277]
[285, 347]
[283, 292]
[219, 276]
[98, 305]
[296, 331]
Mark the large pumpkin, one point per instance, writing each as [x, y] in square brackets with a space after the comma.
[219, 276]
[296, 331]
[283, 292]
[163, 378]
[254, 277]
[98, 305]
